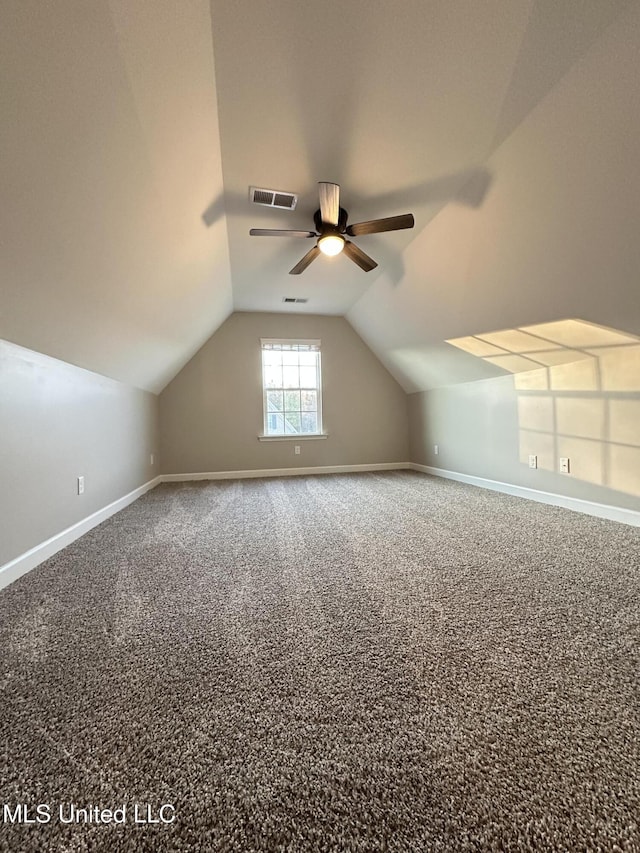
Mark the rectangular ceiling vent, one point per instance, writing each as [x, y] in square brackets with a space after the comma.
[294, 299]
[273, 198]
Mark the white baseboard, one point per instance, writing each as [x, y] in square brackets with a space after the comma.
[613, 513]
[19, 566]
[285, 472]
[30, 559]
[14, 569]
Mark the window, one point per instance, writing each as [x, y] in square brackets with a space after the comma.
[291, 386]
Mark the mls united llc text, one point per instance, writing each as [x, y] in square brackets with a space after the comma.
[41, 813]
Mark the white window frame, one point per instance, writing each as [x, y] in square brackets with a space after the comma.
[292, 344]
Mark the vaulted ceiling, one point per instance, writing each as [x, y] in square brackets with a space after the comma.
[132, 132]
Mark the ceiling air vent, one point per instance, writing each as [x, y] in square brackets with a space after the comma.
[294, 299]
[273, 198]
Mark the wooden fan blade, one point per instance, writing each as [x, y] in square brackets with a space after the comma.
[329, 202]
[358, 256]
[276, 232]
[304, 263]
[375, 226]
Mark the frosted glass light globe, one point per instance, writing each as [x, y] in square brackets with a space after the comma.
[332, 244]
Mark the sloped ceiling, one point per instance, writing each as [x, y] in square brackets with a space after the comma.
[110, 153]
[555, 236]
[510, 129]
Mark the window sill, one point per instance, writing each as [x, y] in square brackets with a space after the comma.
[308, 437]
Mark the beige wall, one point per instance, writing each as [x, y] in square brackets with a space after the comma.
[57, 422]
[489, 428]
[211, 413]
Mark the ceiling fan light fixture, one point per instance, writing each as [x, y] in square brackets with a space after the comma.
[331, 244]
[332, 224]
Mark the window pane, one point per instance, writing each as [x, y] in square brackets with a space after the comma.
[290, 358]
[276, 424]
[309, 422]
[309, 401]
[290, 377]
[273, 377]
[271, 358]
[308, 358]
[292, 401]
[308, 377]
[292, 422]
[275, 402]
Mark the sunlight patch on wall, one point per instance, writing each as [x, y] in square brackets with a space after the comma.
[581, 417]
[578, 334]
[624, 421]
[575, 376]
[544, 448]
[537, 412]
[620, 368]
[624, 465]
[578, 387]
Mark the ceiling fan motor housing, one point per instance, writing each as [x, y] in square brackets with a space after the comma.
[324, 228]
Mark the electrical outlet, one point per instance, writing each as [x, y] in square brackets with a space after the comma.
[436, 449]
[296, 449]
[80, 485]
[533, 460]
[564, 465]
[151, 458]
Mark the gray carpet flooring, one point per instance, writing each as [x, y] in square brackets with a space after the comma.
[375, 662]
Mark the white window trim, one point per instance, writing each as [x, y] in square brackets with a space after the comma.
[307, 342]
[306, 436]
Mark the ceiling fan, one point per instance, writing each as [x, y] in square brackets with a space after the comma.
[331, 226]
